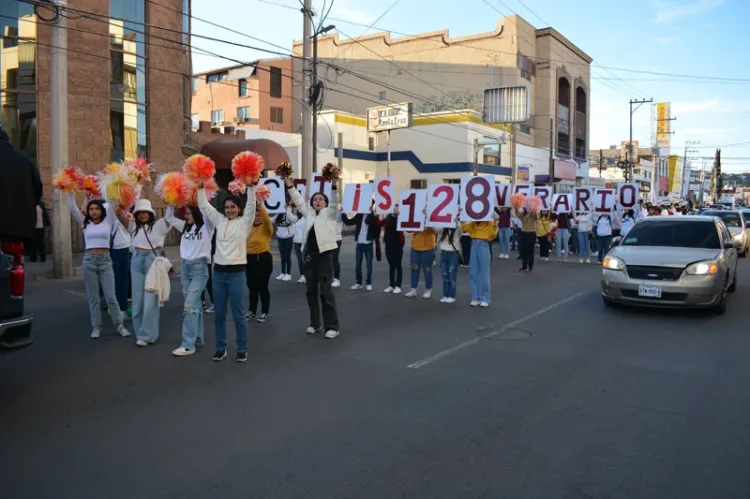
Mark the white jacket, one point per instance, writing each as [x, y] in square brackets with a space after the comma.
[231, 235]
[324, 222]
[585, 222]
[157, 279]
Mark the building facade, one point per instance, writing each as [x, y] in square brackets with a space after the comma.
[439, 73]
[249, 96]
[128, 81]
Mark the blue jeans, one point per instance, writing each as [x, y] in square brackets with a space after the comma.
[97, 271]
[449, 269]
[194, 279]
[229, 288]
[285, 254]
[121, 268]
[503, 233]
[584, 251]
[479, 270]
[363, 250]
[145, 304]
[602, 244]
[336, 262]
[300, 258]
[422, 260]
[561, 242]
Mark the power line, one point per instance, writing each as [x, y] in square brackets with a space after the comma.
[371, 25]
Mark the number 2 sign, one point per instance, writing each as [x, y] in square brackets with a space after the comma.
[477, 199]
[411, 208]
[442, 205]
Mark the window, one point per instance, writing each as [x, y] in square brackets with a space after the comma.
[275, 75]
[371, 143]
[128, 113]
[491, 153]
[676, 234]
[195, 121]
[216, 77]
[524, 128]
[217, 116]
[451, 180]
[277, 115]
[731, 219]
[195, 83]
[243, 113]
[419, 183]
[382, 95]
[243, 88]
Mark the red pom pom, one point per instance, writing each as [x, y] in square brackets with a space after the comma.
[237, 187]
[199, 167]
[172, 188]
[247, 167]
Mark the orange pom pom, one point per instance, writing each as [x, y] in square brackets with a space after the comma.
[199, 167]
[91, 186]
[517, 200]
[141, 169]
[237, 187]
[173, 188]
[210, 186]
[68, 180]
[262, 192]
[247, 167]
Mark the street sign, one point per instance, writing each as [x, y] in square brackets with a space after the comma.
[380, 119]
[507, 104]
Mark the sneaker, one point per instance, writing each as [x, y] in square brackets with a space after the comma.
[588, 260]
[95, 333]
[336, 283]
[280, 277]
[368, 287]
[287, 278]
[444, 299]
[182, 352]
[331, 334]
[220, 355]
[125, 315]
[141, 343]
[389, 289]
[302, 280]
[427, 294]
[123, 331]
[241, 357]
[500, 257]
[396, 290]
[209, 310]
[411, 293]
[474, 303]
[450, 300]
[484, 304]
[262, 318]
[580, 260]
[250, 316]
[356, 286]
[312, 330]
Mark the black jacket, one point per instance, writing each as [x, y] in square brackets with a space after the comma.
[372, 227]
[20, 192]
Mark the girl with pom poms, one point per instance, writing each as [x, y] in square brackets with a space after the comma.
[526, 212]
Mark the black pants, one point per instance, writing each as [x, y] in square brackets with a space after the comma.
[543, 246]
[259, 269]
[38, 248]
[394, 255]
[319, 276]
[210, 283]
[466, 249]
[527, 243]
[285, 251]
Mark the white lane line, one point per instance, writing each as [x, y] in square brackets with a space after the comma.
[445, 353]
[73, 292]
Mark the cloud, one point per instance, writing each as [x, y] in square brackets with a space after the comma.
[667, 40]
[672, 12]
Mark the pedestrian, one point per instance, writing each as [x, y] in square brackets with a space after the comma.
[515, 238]
[39, 246]
[394, 251]
[299, 239]
[148, 236]
[285, 238]
[529, 221]
[20, 192]
[479, 269]
[503, 232]
[321, 217]
[544, 235]
[423, 246]
[603, 234]
[120, 242]
[96, 225]
[365, 234]
[259, 265]
[450, 257]
[573, 235]
[232, 229]
[562, 235]
[337, 252]
[616, 220]
[585, 224]
[628, 220]
[195, 252]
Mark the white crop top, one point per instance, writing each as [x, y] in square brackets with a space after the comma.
[156, 235]
[95, 235]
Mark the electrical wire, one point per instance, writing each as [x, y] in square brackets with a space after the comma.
[370, 27]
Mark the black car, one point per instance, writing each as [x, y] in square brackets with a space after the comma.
[15, 326]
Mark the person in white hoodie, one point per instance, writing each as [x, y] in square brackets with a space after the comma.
[603, 234]
[230, 262]
[585, 225]
[319, 242]
[285, 228]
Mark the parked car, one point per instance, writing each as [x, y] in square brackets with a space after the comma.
[673, 262]
[15, 325]
[737, 223]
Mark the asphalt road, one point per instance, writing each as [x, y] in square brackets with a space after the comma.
[547, 394]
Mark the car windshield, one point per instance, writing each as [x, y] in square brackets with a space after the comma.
[678, 234]
[732, 219]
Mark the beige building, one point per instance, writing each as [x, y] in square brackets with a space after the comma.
[252, 96]
[440, 73]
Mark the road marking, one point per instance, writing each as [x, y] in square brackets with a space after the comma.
[461, 346]
[72, 292]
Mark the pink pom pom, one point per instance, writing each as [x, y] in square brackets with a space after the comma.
[172, 188]
[517, 200]
[262, 192]
[533, 204]
[141, 169]
[210, 186]
[247, 167]
[237, 187]
[199, 167]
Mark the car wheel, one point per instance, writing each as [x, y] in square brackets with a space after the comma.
[733, 286]
[721, 307]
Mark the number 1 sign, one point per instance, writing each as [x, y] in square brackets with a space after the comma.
[410, 212]
[442, 205]
[477, 199]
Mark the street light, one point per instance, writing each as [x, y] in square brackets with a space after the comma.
[315, 94]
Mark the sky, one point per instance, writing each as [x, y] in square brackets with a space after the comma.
[708, 39]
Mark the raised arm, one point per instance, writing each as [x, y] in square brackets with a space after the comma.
[291, 217]
[173, 220]
[334, 204]
[296, 198]
[208, 211]
[249, 217]
[75, 210]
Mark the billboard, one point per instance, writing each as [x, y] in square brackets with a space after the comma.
[565, 170]
[522, 175]
[380, 119]
[663, 125]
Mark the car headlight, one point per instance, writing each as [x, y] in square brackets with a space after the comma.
[613, 263]
[738, 237]
[703, 268]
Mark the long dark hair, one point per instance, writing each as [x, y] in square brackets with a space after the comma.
[197, 218]
[138, 224]
[100, 204]
[447, 234]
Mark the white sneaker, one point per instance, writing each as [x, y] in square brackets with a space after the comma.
[336, 283]
[450, 300]
[141, 343]
[95, 333]
[500, 256]
[287, 277]
[396, 290]
[280, 277]
[427, 294]
[368, 287]
[580, 260]
[312, 330]
[356, 286]
[182, 352]
[389, 289]
[411, 293]
[474, 303]
[444, 299]
[331, 334]
[302, 280]
[123, 331]
[484, 304]
[507, 256]
[588, 260]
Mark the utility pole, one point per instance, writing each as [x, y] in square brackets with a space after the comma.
[315, 95]
[476, 157]
[629, 154]
[61, 247]
[551, 151]
[307, 123]
[685, 170]
[601, 160]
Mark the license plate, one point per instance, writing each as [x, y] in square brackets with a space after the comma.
[649, 291]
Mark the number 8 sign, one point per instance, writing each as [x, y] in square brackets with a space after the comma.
[442, 205]
[477, 199]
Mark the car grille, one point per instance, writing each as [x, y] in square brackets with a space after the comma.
[630, 293]
[654, 273]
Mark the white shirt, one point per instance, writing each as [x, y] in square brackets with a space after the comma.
[627, 223]
[449, 244]
[156, 235]
[362, 236]
[287, 227]
[339, 226]
[195, 243]
[95, 236]
[323, 221]
[603, 226]
[231, 235]
[299, 230]
[121, 237]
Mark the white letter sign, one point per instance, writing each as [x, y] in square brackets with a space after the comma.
[410, 211]
[524, 189]
[627, 195]
[358, 198]
[582, 200]
[442, 205]
[561, 203]
[276, 202]
[604, 200]
[477, 199]
[545, 194]
[502, 192]
[385, 197]
[320, 184]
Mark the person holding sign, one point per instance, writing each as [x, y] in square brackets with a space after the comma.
[544, 235]
[259, 264]
[529, 221]
[285, 237]
[603, 234]
[503, 232]
[585, 225]
[394, 250]
[318, 245]
[450, 239]
[482, 234]
[423, 246]
[365, 233]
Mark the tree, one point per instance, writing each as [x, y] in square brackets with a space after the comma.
[719, 180]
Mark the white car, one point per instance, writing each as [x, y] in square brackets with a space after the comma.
[737, 224]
